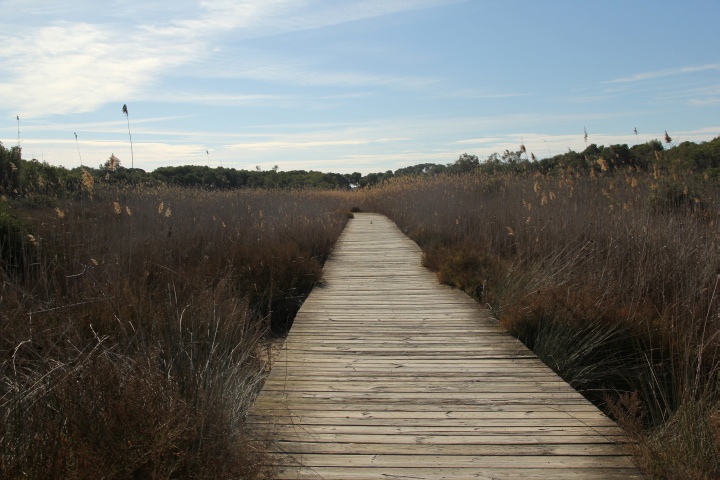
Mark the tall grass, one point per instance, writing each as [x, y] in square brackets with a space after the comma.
[133, 323]
[611, 278]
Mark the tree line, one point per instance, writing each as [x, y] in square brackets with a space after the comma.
[27, 178]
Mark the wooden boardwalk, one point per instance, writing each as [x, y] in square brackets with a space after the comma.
[388, 375]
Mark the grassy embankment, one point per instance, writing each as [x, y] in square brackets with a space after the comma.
[131, 338]
[611, 278]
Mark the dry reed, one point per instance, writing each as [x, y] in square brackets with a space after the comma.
[132, 328]
[612, 278]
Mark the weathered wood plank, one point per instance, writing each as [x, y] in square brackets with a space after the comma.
[489, 415]
[450, 473]
[459, 461]
[400, 421]
[387, 374]
[277, 402]
[567, 449]
[420, 441]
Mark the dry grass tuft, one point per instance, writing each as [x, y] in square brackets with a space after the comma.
[129, 349]
[612, 278]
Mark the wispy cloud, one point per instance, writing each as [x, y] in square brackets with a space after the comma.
[304, 72]
[221, 99]
[706, 96]
[270, 17]
[671, 72]
[479, 141]
[111, 126]
[481, 94]
[74, 67]
[289, 144]
[704, 102]
[589, 98]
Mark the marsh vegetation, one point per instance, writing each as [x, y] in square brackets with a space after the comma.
[608, 273]
[134, 324]
[136, 315]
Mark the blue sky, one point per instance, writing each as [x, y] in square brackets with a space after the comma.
[351, 85]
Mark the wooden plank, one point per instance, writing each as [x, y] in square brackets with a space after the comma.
[277, 402]
[301, 436]
[460, 461]
[294, 378]
[527, 432]
[387, 374]
[567, 449]
[305, 419]
[588, 416]
[450, 473]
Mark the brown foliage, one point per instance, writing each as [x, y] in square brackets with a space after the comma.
[129, 344]
[612, 279]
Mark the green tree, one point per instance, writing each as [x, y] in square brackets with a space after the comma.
[464, 164]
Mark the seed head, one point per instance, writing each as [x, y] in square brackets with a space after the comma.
[88, 181]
